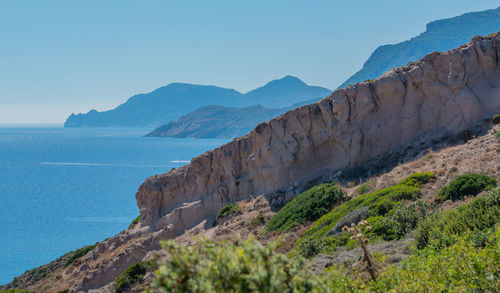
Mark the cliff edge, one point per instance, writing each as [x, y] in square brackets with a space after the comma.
[441, 94]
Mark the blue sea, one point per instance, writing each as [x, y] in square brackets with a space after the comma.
[63, 188]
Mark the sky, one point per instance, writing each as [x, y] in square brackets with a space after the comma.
[60, 57]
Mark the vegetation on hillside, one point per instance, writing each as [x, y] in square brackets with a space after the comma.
[385, 210]
[307, 206]
[79, 253]
[464, 185]
[133, 275]
[135, 222]
[441, 228]
[227, 210]
[207, 266]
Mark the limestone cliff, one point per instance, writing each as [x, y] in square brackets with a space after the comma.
[441, 94]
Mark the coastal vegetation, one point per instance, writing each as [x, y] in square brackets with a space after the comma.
[78, 253]
[468, 184]
[455, 250]
[227, 210]
[384, 210]
[307, 206]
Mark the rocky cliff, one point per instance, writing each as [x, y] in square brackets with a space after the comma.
[441, 94]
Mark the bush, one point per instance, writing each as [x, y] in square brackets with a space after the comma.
[134, 222]
[134, 274]
[208, 266]
[227, 210]
[459, 268]
[496, 119]
[259, 220]
[440, 228]
[402, 220]
[469, 184]
[311, 247]
[79, 253]
[307, 206]
[497, 135]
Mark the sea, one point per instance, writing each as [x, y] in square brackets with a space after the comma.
[64, 188]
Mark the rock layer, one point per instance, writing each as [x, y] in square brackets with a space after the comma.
[443, 93]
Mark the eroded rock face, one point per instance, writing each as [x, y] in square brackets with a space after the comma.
[443, 93]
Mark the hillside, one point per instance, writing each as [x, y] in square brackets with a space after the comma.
[220, 122]
[394, 154]
[170, 102]
[440, 35]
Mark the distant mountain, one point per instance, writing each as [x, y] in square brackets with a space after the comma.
[284, 92]
[168, 103]
[221, 122]
[440, 35]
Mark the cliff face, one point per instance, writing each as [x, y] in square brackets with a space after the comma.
[443, 93]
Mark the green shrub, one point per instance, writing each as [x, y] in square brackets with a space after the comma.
[259, 220]
[440, 228]
[134, 274]
[409, 188]
[227, 210]
[496, 119]
[461, 267]
[207, 266]
[497, 135]
[311, 247]
[469, 184]
[307, 206]
[79, 253]
[402, 220]
[135, 221]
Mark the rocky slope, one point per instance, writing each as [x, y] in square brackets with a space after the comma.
[168, 103]
[440, 35]
[220, 121]
[440, 95]
[363, 130]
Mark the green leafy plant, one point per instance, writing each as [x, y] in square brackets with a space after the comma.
[441, 228]
[463, 185]
[402, 220]
[248, 266]
[227, 210]
[497, 135]
[496, 119]
[79, 253]
[310, 247]
[307, 206]
[134, 274]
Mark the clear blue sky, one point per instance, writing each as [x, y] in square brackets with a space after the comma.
[58, 57]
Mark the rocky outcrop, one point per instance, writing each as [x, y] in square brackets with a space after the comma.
[441, 94]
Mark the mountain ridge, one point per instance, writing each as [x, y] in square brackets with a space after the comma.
[169, 102]
[440, 35]
[220, 122]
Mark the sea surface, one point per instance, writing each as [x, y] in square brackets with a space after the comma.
[63, 188]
